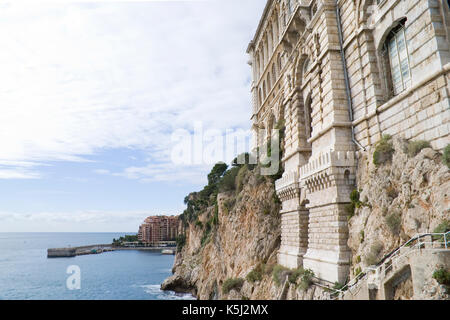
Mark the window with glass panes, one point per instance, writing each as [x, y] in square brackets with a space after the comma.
[399, 60]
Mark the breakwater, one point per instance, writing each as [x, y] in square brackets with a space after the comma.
[100, 248]
[78, 251]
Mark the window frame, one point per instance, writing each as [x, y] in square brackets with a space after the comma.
[395, 60]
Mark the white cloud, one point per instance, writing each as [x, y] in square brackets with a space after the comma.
[81, 221]
[78, 79]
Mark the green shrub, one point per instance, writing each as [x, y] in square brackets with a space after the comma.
[306, 279]
[338, 286]
[215, 217]
[232, 283]
[361, 236]
[256, 274]
[181, 241]
[228, 181]
[354, 196]
[442, 276]
[206, 233]
[350, 209]
[372, 256]
[358, 271]
[305, 276]
[414, 147]
[275, 198]
[358, 259]
[394, 222]
[446, 156]
[293, 277]
[354, 203]
[240, 178]
[279, 273]
[442, 228]
[383, 151]
[248, 159]
[199, 224]
[216, 173]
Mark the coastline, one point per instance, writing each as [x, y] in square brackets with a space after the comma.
[100, 248]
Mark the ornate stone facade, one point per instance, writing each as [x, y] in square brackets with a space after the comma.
[340, 74]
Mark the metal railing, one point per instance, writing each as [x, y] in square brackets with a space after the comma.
[394, 257]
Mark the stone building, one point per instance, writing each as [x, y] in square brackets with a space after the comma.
[339, 74]
[158, 228]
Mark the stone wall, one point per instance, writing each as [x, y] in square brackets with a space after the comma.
[422, 111]
[299, 77]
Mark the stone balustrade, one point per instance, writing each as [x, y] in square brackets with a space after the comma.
[326, 160]
[289, 178]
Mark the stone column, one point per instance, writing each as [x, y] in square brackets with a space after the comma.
[328, 179]
[294, 222]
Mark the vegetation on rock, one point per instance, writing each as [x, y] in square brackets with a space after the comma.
[279, 274]
[394, 222]
[232, 284]
[384, 150]
[414, 147]
[256, 274]
[446, 156]
[372, 257]
[442, 228]
[181, 241]
[442, 276]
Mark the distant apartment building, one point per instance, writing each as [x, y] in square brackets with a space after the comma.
[158, 228]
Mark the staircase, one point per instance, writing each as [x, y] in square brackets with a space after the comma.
[393, 264]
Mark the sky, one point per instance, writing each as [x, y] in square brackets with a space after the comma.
[97, 99]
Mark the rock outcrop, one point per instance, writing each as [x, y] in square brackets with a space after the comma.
[247, 234]
[399, 198]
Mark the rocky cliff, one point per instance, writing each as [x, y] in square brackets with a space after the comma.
[246, 235]
[403, 189]
[400, 197]
[232, 238]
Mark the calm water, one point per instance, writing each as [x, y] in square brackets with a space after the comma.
[26, 273]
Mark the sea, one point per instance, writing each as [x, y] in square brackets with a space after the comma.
[27, 274]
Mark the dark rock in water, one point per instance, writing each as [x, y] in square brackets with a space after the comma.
[177, 284]
[61, 253]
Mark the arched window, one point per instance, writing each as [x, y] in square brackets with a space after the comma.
[306, 66]
[274, 74]
[308, 117]
[257, 68]
[275, 30]
[396, 47]
[269, 43]
[261, 62]
[259, 97]
[280, 64]
[269, 85]
[264, 90]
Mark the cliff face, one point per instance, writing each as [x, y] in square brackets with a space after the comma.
[404, 194]
[399, 199]
[247, 234]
